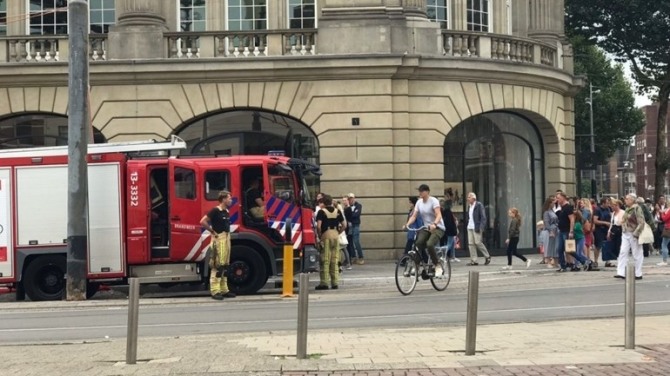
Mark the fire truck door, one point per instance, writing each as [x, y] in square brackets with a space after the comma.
[6, 249]
[185, 191]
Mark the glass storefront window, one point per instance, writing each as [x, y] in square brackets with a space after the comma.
[498, 156]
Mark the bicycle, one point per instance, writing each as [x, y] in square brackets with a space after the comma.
[411, 266]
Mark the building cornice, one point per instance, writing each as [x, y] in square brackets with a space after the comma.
[313, 68]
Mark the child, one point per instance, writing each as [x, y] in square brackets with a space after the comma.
[513, 238]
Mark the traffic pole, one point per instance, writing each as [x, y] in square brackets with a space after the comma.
[287, 278]
[78, 128]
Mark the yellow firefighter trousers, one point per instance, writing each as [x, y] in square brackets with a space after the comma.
[221, 256]
[330, 271]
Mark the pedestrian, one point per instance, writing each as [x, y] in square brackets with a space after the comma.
[329, 224]
[428, 208]
[659, 210]
[476, 226]
[633, 224]
[649, 220]
[587, 225]
[566, 223]
[450, 232]
[602, 217]
[550, 232]
[217, 222]
[513, 238]
[615, 233]
[665, 235]
[580, 237]
[352, 213]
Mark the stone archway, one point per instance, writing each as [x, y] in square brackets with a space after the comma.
[251, 131]
[35, 129]
[500, 156]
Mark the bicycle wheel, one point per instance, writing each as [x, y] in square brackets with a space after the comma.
[440, 283]
[406, 275]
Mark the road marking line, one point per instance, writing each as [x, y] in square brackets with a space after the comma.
[439, 314]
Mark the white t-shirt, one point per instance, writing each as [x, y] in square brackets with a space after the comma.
[427, 211]
[471, 220]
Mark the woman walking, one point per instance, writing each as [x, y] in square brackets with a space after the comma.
[549, 233]
[633, 224]
[665, 236]
[513, 238]
[614, 234]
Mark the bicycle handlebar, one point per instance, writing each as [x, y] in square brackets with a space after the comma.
[424, 227]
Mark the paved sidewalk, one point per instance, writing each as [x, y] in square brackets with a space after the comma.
[583, 347]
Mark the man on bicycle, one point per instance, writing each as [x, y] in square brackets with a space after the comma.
[428, 207]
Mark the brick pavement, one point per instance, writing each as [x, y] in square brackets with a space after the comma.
[656, 363]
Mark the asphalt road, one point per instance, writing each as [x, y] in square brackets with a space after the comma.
[376, 303]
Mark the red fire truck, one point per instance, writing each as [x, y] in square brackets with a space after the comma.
[144, 216]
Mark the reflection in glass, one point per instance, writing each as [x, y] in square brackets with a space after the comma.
[498, 156]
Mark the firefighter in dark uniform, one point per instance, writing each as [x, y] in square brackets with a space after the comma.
[217, 222]
[329, 224]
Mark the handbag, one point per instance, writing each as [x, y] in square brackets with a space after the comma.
[666, 233]
[570, 246]
[646, 236]
[343, 238]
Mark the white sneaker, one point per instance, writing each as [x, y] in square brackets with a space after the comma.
[438, 271]
[349, 267]
[528, 262]
[662, 263]
[506, 268]
[455, 260]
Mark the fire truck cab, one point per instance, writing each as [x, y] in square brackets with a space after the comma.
[144, 217]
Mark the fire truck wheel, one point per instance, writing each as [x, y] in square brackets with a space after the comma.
[44, 278]
[247, 273]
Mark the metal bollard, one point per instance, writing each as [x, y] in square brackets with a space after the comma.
[133, 318]
[303, 300]
[630, 307]
[471, 323]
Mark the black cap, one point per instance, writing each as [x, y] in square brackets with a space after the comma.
[424, 188]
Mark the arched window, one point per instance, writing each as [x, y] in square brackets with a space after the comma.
[252, 132]
[37, 129]
[498, 156]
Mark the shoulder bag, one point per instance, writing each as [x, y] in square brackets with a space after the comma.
[646, 236]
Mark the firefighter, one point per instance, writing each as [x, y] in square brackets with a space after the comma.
[217, 222]
[329, 224]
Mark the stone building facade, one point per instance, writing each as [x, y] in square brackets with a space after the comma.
[381, 97]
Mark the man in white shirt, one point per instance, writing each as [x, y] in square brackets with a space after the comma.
[476, 227]
[428, 207]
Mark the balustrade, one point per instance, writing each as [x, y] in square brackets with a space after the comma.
[262, 43]
[460, 44]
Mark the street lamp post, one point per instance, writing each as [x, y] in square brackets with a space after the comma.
[594, 188]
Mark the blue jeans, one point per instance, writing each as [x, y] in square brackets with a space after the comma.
[354, 239]
[664, 249]
[451, 242]
[561, 252]
[580, 246]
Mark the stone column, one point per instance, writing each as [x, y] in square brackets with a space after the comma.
[520, 18]
[547, 20]
[138, 33]
[377, 26]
